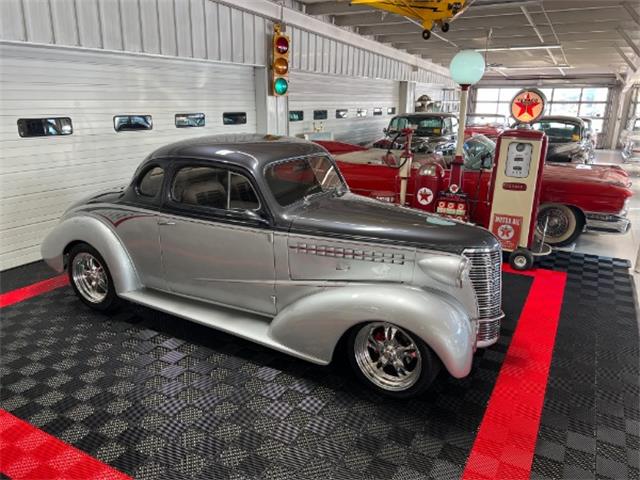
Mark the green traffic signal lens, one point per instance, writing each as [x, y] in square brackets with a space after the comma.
[281, 86]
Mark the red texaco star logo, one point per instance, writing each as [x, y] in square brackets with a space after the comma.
[425, 196]
[527, 104]
[506, 232]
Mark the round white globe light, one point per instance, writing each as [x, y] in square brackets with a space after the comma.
[467, 67]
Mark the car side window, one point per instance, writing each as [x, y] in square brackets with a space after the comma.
[200, 186]
[151, 182]
[454, 125]
[241, 193]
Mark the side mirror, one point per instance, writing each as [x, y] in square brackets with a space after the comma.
[385, 131]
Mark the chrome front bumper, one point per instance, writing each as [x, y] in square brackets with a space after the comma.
[607, 223]
[488, 331]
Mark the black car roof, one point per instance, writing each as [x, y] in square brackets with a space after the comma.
[248, 150]
[427, 114]
[562, 118]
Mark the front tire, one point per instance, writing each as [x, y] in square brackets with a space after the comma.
[564, 225]
[90, 278]
[391, 360]
[426, 34]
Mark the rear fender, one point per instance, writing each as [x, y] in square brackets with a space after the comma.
[314, 324]
[89, 229]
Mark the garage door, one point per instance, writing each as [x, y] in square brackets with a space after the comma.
[357, 109]
[41, 176]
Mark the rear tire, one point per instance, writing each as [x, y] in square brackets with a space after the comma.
[564, 227]
[91, 280]
[445, 27]
[426, 34]
[390, 360]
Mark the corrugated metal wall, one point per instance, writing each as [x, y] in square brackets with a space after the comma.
[41, 176]
[311, 92]
[201, 29]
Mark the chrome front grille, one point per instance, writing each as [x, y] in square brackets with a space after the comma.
[486, 278]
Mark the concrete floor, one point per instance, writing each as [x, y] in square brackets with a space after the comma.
[619, 246]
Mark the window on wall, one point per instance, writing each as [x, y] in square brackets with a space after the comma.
[296, 115]
[186, 120]
[361, 112]
[320, 114]
[391, 110]
[124, 123]
[44, 127]
[377, 111]
[234, 118]
[342, 113]
[588, 102]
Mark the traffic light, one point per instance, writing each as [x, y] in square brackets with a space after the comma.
[280, 62]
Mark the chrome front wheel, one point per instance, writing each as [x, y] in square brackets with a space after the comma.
[90, 278]
[387, 356]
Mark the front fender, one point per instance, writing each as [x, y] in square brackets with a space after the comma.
[314, 324]
[91, 230]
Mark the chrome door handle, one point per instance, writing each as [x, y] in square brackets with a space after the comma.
[166, 222]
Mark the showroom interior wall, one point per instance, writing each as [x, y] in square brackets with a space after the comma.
[95, 59]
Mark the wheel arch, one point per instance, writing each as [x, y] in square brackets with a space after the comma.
[317, 325]
[94, 232]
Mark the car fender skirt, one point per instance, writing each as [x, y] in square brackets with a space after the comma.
[88, 229]
[314, 324]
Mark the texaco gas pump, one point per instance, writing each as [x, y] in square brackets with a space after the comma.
[516, 183]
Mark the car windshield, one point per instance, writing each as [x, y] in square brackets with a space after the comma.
[296, 179]
[478, 120]
[478, 152]
[559, 131]
[423, 126]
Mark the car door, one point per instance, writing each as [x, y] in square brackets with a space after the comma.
[216, 244]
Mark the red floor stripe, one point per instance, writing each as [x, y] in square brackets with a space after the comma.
[508, 433]
[25, 293]
[29, 453]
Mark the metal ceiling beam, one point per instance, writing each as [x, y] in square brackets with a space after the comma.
[627, 60]
[629, 41]
[633, 14]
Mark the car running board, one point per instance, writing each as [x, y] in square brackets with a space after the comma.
[249, 326]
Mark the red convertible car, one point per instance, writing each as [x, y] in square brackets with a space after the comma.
[575, 198]
[490, 125]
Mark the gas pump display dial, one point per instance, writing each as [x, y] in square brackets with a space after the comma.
[518, 161]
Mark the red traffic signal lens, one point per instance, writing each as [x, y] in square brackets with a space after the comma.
[282, 45]
[281, 66]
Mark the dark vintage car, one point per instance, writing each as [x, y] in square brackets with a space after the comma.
[569, 139]
[432, 132]
[259, 236]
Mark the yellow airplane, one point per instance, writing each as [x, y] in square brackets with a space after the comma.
[428, 12]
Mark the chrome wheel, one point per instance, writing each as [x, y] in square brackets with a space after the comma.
[90, 277]
[562, 224]
[520, 261]
[387, 356]
[558, 222]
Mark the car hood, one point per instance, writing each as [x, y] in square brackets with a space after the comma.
[578, 173]
[358, 217]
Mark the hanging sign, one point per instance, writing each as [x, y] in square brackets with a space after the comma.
[528, 105]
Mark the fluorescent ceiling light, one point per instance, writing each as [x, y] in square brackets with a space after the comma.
[537, 67]
[523, 47]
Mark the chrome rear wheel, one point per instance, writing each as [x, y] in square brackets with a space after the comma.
[387, 356]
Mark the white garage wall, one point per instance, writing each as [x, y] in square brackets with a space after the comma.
[311, 92]
[41, 176]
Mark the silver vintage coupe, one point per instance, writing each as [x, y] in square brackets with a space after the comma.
[259, 236]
